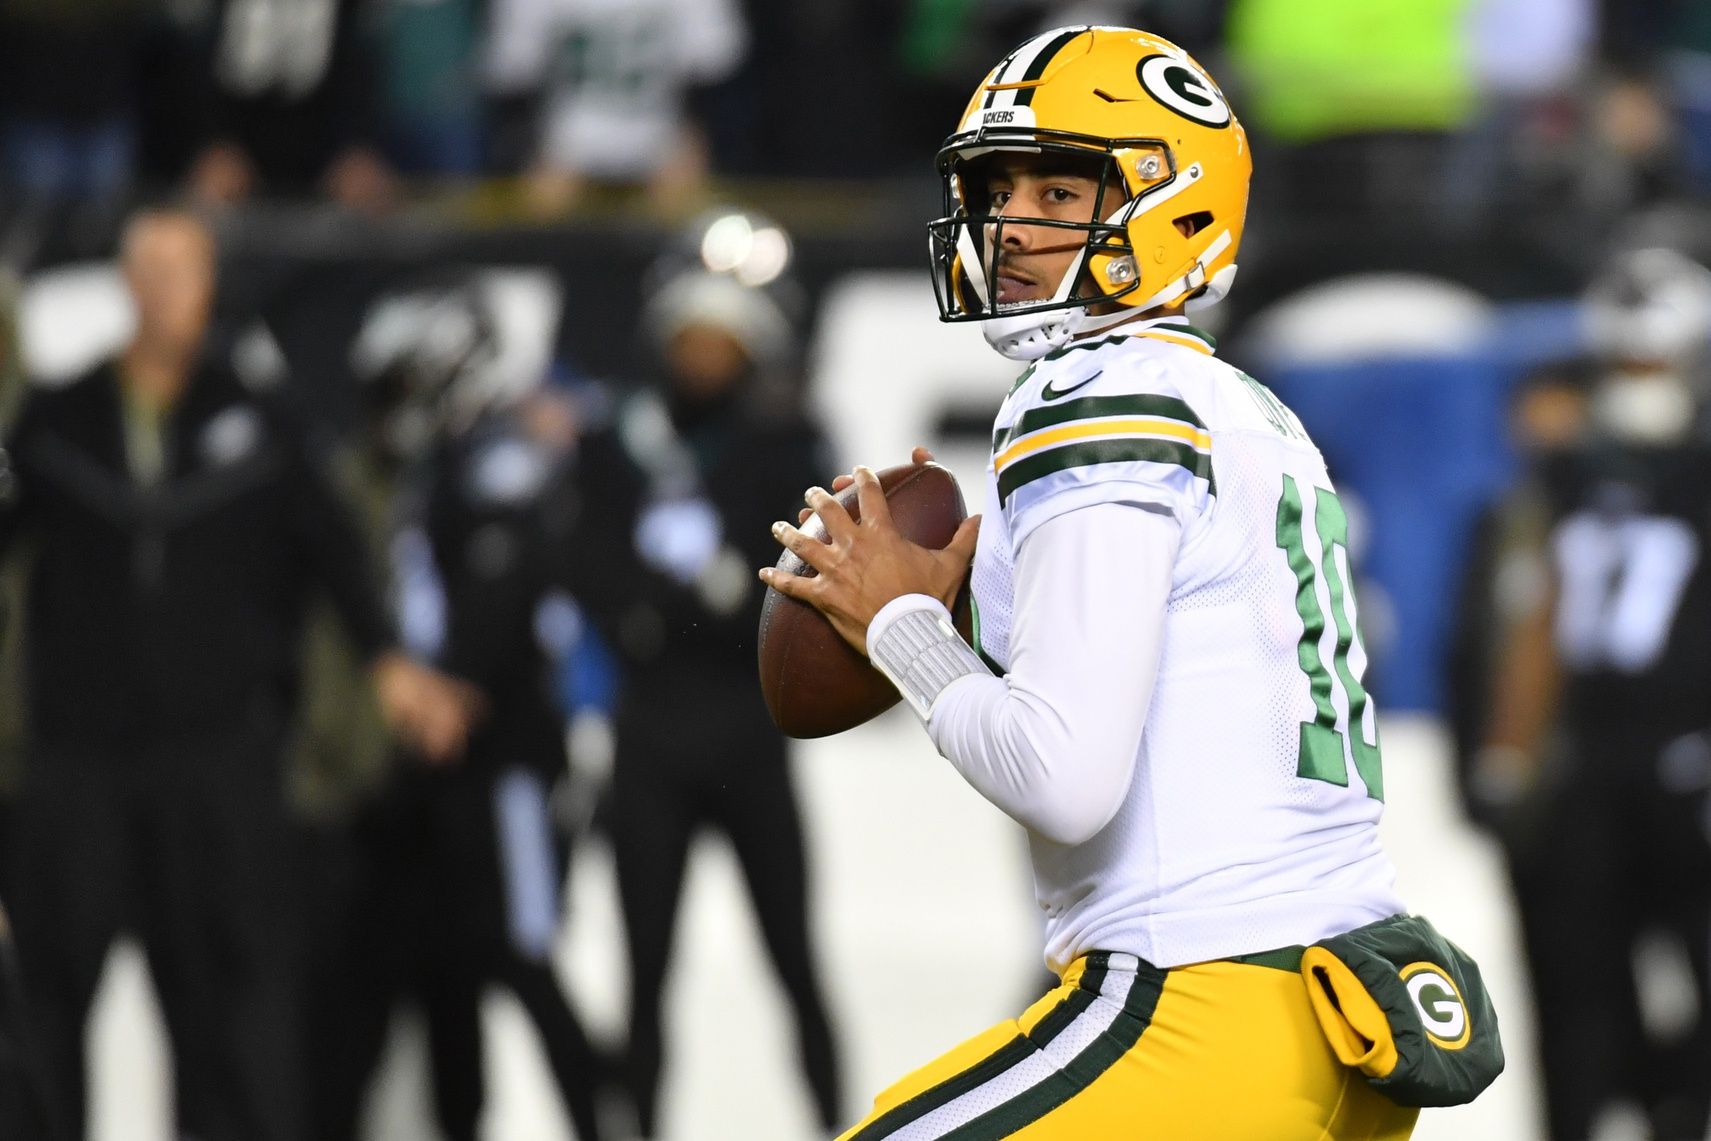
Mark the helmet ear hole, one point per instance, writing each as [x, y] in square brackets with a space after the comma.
[1191, 224]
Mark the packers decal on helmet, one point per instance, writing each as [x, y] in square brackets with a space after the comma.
[1183, 89]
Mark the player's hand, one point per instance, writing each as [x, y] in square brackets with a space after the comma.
[862, 566]
[429, 710]
[919, 456]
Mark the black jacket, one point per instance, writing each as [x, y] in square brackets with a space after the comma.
[483, 519]
[746, 463]
[156, 610]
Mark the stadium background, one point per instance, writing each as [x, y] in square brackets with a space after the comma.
[1422, 230]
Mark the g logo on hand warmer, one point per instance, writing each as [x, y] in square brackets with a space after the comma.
[1443, 1013]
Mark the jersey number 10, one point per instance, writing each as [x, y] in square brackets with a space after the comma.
[1322, 753]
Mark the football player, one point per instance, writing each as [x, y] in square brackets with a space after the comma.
[1180, 723]
[667, 509]
[456, 871]
[1595, 770]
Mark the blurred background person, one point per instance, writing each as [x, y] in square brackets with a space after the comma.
[1354, 105]
[429, 90]
[1595, 765]
[268, 98]
[69, 74]
[23, 1105]
[671, 500]
[69, 90]
[178, 522]
[459, 869]
[1506, 573]
[614, 80]
[23, 1109]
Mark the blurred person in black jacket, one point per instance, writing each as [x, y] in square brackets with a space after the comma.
[1594, 767]
[177, 522]
[673, 504]
[459, 868]
[23, 1109]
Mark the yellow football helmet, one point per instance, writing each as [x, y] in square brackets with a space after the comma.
[1149, 116]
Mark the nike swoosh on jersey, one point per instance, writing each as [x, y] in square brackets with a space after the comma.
[1050, 393]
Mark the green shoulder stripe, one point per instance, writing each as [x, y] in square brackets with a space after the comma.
[1211, 341]
[1053, 460]
[1085, 346]
[1091, 407]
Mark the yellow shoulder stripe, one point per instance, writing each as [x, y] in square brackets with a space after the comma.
[1187, 340]
[1085, 429]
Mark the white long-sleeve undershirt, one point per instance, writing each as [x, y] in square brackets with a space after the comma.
[1054, 742]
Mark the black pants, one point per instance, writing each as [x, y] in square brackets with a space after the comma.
[672, 775]
[24, 1113]
[1609, 856]
[447, 900]
[183, 841]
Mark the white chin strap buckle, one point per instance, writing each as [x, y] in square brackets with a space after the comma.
[1030, 336]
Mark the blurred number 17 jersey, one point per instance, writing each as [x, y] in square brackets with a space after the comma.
[1251, 818]
[1633, 600]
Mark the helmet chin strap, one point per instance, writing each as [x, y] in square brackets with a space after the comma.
[1030, 336]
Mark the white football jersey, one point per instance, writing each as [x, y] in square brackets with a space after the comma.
[1251, 816]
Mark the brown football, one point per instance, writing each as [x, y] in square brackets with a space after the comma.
[815, 683]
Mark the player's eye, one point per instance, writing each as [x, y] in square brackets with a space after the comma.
[997, 198]
[1059, 195]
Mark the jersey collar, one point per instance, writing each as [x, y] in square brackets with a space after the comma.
[1172, 330]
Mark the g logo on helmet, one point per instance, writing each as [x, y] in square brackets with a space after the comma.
[1443, 1014]
[1184, 89]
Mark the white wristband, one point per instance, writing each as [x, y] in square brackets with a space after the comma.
[912, 642]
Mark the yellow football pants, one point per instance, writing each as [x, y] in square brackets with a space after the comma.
[1122, 1050]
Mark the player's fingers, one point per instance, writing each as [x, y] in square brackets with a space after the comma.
[875, 512]
[804, 546]
[842, 482]
[963, 542]
[787, 584]
[920, 455]
[831, 512]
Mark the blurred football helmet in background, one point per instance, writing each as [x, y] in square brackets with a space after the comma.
[1648, 321]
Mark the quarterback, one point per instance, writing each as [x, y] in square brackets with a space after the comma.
[1165, 684]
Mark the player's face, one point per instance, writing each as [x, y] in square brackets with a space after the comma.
[1031, 260]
